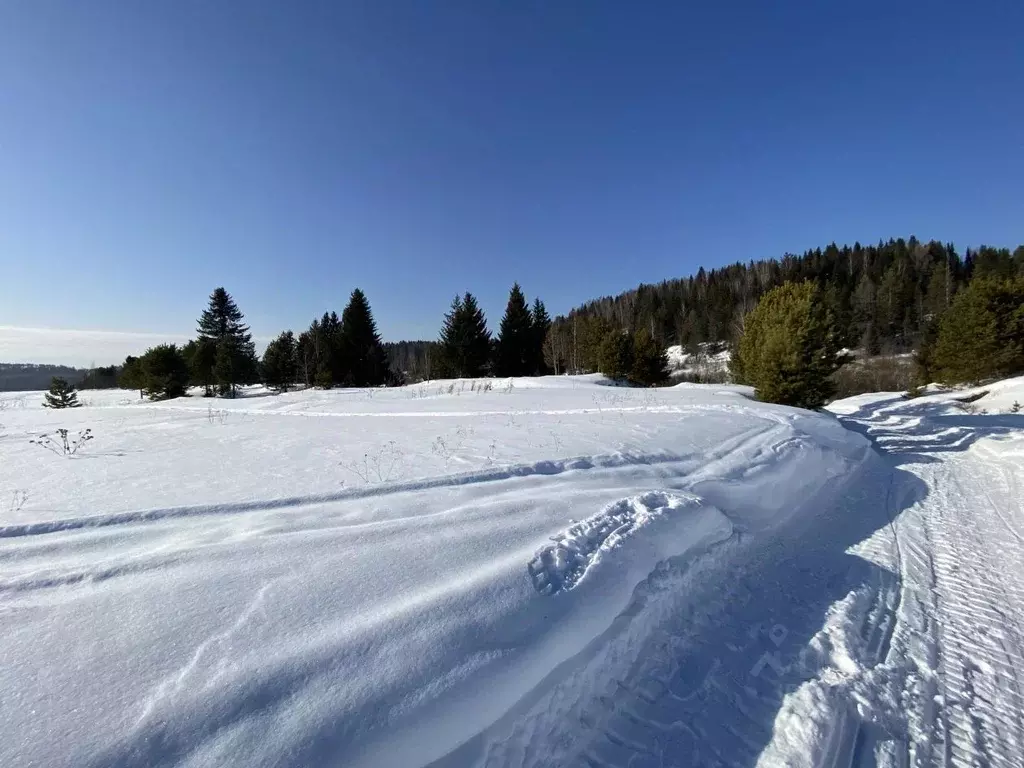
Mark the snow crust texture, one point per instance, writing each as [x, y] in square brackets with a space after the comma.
[544, 572]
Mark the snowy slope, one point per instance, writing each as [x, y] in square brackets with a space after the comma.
[448, 572]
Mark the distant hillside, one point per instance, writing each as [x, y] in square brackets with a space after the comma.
[16, 377]
[884, 297]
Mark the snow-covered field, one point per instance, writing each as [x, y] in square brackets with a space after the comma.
[545, 572]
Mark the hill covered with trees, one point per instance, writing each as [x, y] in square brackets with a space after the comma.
[884, 298]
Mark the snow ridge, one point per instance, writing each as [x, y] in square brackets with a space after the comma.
[562, 564]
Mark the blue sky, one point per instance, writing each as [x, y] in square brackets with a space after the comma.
[293, 151]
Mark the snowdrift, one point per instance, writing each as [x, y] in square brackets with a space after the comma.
[364, 577]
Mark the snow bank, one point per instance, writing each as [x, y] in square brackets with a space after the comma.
[360, 577]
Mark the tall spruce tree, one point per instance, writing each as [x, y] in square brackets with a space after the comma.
[541, 327]
[234, 355]
[515, 353]
[279, 362]
[360, 344]
[61, 395]
[465, 343]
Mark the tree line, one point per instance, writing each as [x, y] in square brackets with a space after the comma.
[334, 351]
[883, 298]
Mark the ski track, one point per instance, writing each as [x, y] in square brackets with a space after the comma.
[956, 661]
[880, 624]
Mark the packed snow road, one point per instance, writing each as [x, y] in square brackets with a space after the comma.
[544, 572]
[951, 689]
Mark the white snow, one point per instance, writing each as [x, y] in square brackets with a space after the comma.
[544, 572]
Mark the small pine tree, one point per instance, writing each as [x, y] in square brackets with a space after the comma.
[464, 348]
[61, 395]
[616, 355]
[163, 372]
[650, 363]
[981, 335]
[360, 344]
[515, 353]
[541, 329]
[279, 362]
[789, 348]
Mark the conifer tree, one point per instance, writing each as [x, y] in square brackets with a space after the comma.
[234, 355]
[465, 344]
[61, 395]
[789, 348]
[163, 372]
[515, 353]
[278, 367]
[541, 328]
[360, 344]
[650, 364]
[981, 336]
[616, 355]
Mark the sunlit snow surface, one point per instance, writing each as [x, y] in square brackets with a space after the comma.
[480, 572]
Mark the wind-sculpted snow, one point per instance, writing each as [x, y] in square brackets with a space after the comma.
[341, 578]
[561, 564]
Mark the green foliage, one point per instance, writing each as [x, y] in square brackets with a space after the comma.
[61, 395]
[131, 374]
[233, 357]
[103, 377]
[465, 343]
[789, 348]
[616, 357]
[279, 362]
[515, 348]
[650, 364]
[163, 372]
[541, 327]
[201, 357]
[360, 346]
[981, 336]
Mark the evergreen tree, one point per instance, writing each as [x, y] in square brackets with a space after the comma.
[131, 374]
[616, 357]
[465, 343]
[61, 395]
[360, 345]
[981, 336]
[515, 352]
[278, 367]
[234, 356]
[200, 357]
[541, 328]
[650, 364]
[790, 347]
[163, 372]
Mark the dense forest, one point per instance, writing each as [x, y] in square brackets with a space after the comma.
[883, 297]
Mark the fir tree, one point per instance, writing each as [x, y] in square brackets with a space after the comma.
[981, 336]
[616, 356]
[234, 356]
[541, 327]
[163, 372]
[515, 353]
[650, 364]
[465, 344]
[61, 395]
[278, 367]
[360, 344]
[790, 347]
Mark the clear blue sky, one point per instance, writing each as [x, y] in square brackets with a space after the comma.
[150, 151]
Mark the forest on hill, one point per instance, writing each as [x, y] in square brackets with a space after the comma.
[885, 298]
